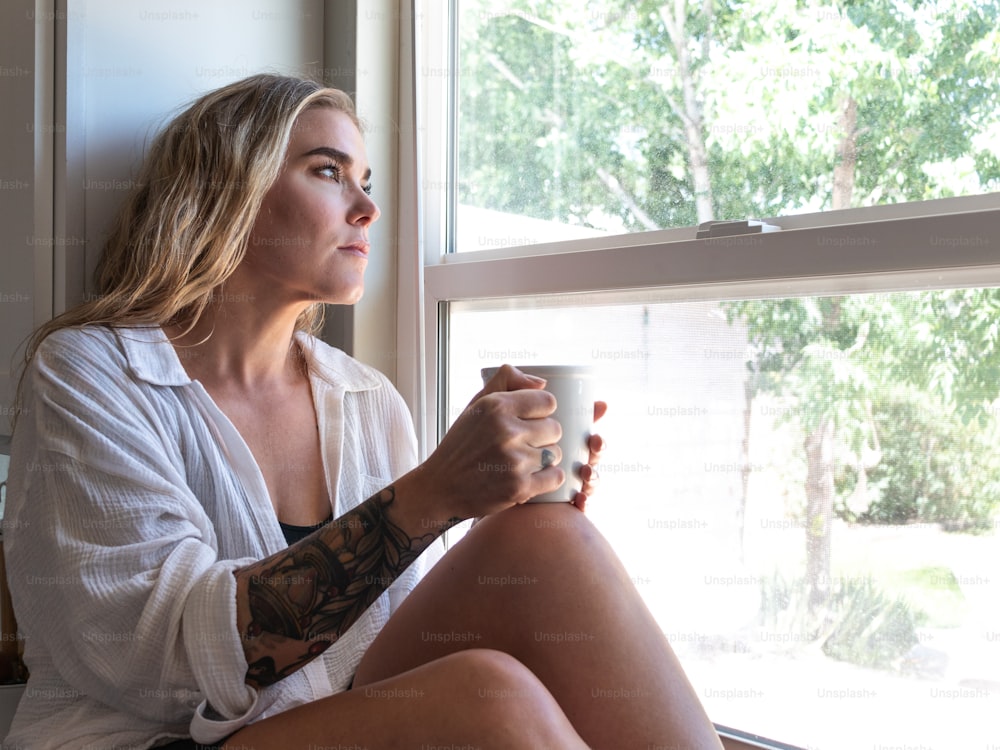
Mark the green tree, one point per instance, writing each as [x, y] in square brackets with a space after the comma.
[644, 115]
[935, 467]
[836, 355]
[817, 349]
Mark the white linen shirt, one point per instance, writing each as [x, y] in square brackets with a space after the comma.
[131, 501]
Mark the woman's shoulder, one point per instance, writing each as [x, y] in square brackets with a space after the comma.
[79, 344]
[90, 352]
[74, 364]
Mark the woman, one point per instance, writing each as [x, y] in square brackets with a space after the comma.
[191, 550]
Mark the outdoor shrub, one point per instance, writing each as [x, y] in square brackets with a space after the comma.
[934, 467]
[865, 626]
[858, 623]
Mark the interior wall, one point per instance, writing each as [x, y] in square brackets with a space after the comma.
[84, 86]
[26, 134]
[130, 67]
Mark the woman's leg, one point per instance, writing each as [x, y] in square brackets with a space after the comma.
[540, 583]
[476, 699]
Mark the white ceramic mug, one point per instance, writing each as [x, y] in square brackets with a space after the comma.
[573, 388]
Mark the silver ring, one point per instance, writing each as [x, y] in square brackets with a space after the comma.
[548, 458]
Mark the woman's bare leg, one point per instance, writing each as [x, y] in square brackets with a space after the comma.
[540, 583]
[477, 699]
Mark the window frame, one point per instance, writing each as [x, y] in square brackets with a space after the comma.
[920, 245]
[944, 243]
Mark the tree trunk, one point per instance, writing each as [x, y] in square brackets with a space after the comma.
[627, 200]
[689, 109]
[819, 510]
[741, 510]
[697, 153]
[847, 155]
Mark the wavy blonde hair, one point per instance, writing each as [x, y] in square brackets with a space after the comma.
[184, 228]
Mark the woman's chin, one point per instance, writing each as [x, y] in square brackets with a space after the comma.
[342, 296]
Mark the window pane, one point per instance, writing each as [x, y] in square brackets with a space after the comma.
[579, 120]
[4, 468]
[805, 492]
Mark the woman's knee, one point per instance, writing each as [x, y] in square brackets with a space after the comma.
[539, 530]
[490, 673]
[506, 699]
[478, 696]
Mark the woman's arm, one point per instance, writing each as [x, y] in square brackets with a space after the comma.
[293, 605]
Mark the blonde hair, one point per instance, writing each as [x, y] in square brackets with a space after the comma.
[184, 228]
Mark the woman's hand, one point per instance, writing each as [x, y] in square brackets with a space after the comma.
[491, 458]
[588, 472]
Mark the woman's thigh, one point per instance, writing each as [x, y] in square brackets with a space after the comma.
[480, 698]
[513, 575]
[541, 584]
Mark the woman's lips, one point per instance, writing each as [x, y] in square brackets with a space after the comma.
[356, 248]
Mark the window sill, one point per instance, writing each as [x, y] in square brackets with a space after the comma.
[733, 739]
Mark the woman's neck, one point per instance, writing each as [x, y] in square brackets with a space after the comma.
[237, 346]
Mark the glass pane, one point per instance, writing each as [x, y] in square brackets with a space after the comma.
[4, 468]
[804, 490]
[579, 120]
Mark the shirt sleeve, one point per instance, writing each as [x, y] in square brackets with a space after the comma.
[402, 457]
[112, 560]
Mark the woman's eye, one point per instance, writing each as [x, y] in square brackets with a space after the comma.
[334, 172]
[331, 170]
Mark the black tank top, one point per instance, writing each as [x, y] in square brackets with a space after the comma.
[294, 534]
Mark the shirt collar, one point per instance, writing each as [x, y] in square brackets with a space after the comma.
[336, 367]
[153, 359]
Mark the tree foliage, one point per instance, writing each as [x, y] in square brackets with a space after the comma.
[622, 115]
[911, 377]
[935, 468]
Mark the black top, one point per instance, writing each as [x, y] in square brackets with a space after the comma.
[295, 534]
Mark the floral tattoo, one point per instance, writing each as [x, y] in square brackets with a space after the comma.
[305, 598]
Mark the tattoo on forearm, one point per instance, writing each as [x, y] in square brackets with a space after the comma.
[305, 599]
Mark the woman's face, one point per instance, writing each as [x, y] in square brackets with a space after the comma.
[310, 240]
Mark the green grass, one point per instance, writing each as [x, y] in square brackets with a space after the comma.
[931, 590]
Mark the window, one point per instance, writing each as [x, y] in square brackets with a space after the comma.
[628, 117]
[4, 467]
[710, 496]
[838, 376]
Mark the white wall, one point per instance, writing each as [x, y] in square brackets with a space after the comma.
[84, 85]
[25, 188]
[132, 65]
